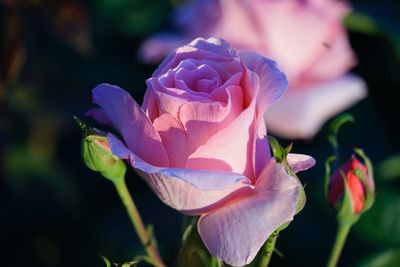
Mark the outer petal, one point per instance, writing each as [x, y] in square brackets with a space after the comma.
[295, 31]
[203, 120]
[273, 83]
[229, 149]
[174, 138]
[129, 119]
[300, 162]
[189, 191]
[302, 112]
[158, 46]
[236, 231]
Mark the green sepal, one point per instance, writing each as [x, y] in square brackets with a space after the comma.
[276, 148]
[335, 125]
[327, 181]
[370, 195]
[346, 215]
[106, 261]
[367, 161]
[288, 149]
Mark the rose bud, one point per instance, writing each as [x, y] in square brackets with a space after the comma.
[351, 188]
[98, 157]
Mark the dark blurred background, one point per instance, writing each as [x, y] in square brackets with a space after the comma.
[56, 212]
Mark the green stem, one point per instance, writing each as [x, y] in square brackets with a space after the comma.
[214, 262]
[342, 233]
[137, 222]
[268, 249]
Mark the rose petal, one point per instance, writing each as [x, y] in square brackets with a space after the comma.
[265, 74]
[129, 119]
[301, 113]
[335, 60]
[300, 162]
[98, 115]
[203, 120]
[273, 83]
[189, 191]
[237, 19]
[174, 139]
[230, 148]
[236, 231]
[158, 46]
[286, 24]
[212, 49]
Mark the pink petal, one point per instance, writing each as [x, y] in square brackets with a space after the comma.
[336, 59]
[236, 231]
[238, 24]
[301, 113]
[98, 115]
[265, 74]
[158, 46]
[129, 119]
[230, 149]
[174, 139]
[213, 49]
[300, 162]
[273, 83]
[203, 120]
[295, 32]
[189, 191]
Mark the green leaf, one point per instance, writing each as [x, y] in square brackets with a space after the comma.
[335, 126]
[388, 258]
[381, 224]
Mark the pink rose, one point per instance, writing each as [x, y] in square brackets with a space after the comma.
[305, 37]
[199, 142]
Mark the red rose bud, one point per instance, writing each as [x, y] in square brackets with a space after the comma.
[355, 176]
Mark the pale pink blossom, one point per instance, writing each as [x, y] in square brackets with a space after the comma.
[306, 38]
[199, 142]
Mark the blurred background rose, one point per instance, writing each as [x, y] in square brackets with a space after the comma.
[306, 38]
[56, 212]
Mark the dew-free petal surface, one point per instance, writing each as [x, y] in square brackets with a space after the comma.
[300, 162]
[301, 113]
[130, 120]
[189, 191]
[236, 231]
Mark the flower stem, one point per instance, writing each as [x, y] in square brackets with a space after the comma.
[268, 249]
[342, 233]
[137, 222]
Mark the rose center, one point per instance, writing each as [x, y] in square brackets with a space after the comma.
[202, 78]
